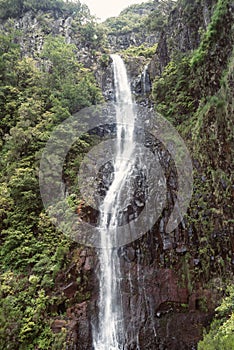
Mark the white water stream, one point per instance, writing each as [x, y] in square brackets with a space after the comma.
[109, 334]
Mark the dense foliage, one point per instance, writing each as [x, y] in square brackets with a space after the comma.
[157, 18]
[131, 19]
[146, 17]
[221, 335]
[142, 50]
[35, 96]
[16, 8]
[176, 95]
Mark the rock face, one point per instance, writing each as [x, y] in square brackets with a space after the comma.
[165, 307]
[139, 77]
[158, 312]
[74, 287]
[34, 27]
[105, 78]
[123, 41]
[182, 34]
[165, 302]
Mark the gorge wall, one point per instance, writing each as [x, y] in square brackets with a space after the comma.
[181, 277]
[171, 284]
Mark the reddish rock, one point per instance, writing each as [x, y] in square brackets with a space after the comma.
[201, 300]
[78, 327]
[58, 325]
[70, 290]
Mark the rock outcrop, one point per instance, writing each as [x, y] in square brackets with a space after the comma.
[118, 42]
[183, 32]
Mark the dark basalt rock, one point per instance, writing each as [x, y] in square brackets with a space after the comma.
[182, 34]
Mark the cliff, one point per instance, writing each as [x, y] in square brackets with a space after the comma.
[183, 32]
[54, 62]
[129, 28]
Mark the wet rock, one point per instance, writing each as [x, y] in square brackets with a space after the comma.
[104, 76]
[130, 254]
[162, 226]
[79, 328]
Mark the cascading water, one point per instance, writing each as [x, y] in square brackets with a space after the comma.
[145, 81]
[109, 334]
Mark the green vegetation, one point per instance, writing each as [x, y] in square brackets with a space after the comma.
[142, 50]
[157, 18]
[148, 17]
[172, 91]
[177, 96]
[195, 92]
[221, 333]
[204, 107]
[125, 23]
[15, 8]
[213, 31]
[39, 91]
[73, 85]
[131, 19]
[35, 96]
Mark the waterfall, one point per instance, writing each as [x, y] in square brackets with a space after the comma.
[109, 334]
[145, 81]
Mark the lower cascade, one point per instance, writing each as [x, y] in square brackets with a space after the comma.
[109, 333]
